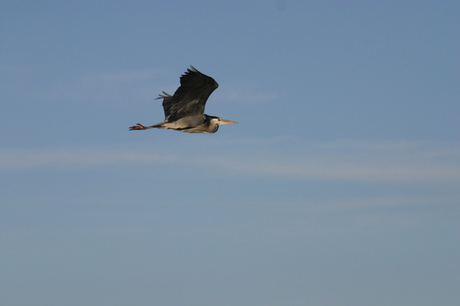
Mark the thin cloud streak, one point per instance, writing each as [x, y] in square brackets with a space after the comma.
[70, 159]
[330, 168]
[342, 160]
[107, 87]
[245, 95]
[350, 161]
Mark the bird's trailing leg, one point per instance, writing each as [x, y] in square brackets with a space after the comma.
[137, 127]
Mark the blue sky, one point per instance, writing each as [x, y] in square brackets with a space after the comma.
[339, 185]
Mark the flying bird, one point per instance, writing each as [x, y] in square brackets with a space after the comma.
[184, 111]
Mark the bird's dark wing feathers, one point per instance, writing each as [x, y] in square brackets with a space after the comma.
[166, 102]
[190, 98]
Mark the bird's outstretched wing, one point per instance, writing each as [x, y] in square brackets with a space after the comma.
[190, 98]
[166, 102]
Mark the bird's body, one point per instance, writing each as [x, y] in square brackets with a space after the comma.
[184, 111]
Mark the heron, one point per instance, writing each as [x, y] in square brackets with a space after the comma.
[184, 111]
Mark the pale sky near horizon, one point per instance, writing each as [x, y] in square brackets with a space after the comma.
[339, 186]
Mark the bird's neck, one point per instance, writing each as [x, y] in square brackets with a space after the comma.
[212, 123]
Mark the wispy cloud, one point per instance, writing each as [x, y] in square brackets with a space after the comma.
[347, 160]
[341, 160]
[107, 87]
[116, 78]
[246, 94]
[75, 158]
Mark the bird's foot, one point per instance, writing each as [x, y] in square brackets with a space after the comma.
[137, 127]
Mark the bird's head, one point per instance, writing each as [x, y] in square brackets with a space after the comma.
[217, 120]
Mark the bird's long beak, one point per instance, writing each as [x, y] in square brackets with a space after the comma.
[223, 121]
